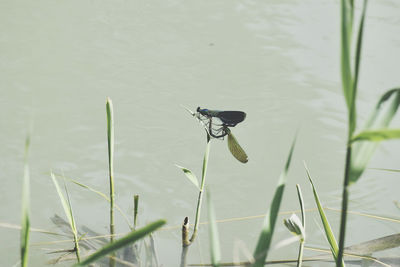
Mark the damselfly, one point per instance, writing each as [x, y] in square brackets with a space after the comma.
[217, 125]
[222, 120]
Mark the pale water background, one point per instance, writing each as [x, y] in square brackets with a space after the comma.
[276, 60]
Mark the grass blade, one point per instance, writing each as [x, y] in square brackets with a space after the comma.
[264, 240]
[328, 230]
[124, 241]
[362, 151]
[213, 232]
[25, 221]
[236, 150]
[347, 82]
[377, 135]
[358, 50]
[190, 175]
[98, 193]
[68, 213]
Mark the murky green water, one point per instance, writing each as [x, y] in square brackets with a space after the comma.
[276, 60]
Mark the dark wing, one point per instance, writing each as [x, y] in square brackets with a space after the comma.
[231, 118]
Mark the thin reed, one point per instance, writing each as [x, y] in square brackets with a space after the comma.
[358, 153]
[203, 182]
[110, 142]
[25, 221]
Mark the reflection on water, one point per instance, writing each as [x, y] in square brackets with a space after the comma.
[277, 61]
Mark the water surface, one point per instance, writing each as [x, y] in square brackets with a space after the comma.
[277, 60]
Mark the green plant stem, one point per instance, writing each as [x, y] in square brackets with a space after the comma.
[110, 139]
[25, 221]
[303, 222]
[203, 181]
[300, 257]
[345, 198]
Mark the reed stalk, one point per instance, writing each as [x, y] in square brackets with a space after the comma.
[25, 221]
[303, 222]
[186, 242]
[110, 139]
[350, 84]
[200, 198]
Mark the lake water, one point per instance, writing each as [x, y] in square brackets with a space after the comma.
[276, 60]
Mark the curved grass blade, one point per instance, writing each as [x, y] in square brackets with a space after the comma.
[377, 135]
[362, 151]
[236, 150]
[68, 213]
[327, 227]
[213, 231]
[98, 193]
[124, 241]
[25, 221]
[264, 240]
[189, 174]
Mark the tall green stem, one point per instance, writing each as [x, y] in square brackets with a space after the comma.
[25, 221]
[303, 222]
[345, 198]
[110, 139]
[350, 84]
[203, 181]
[300, 256]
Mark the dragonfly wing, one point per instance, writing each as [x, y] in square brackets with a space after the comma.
[231, 118]
[236, 150]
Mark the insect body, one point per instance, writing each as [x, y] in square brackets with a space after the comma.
[217, 125]
[228, 118]
[218, 121]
